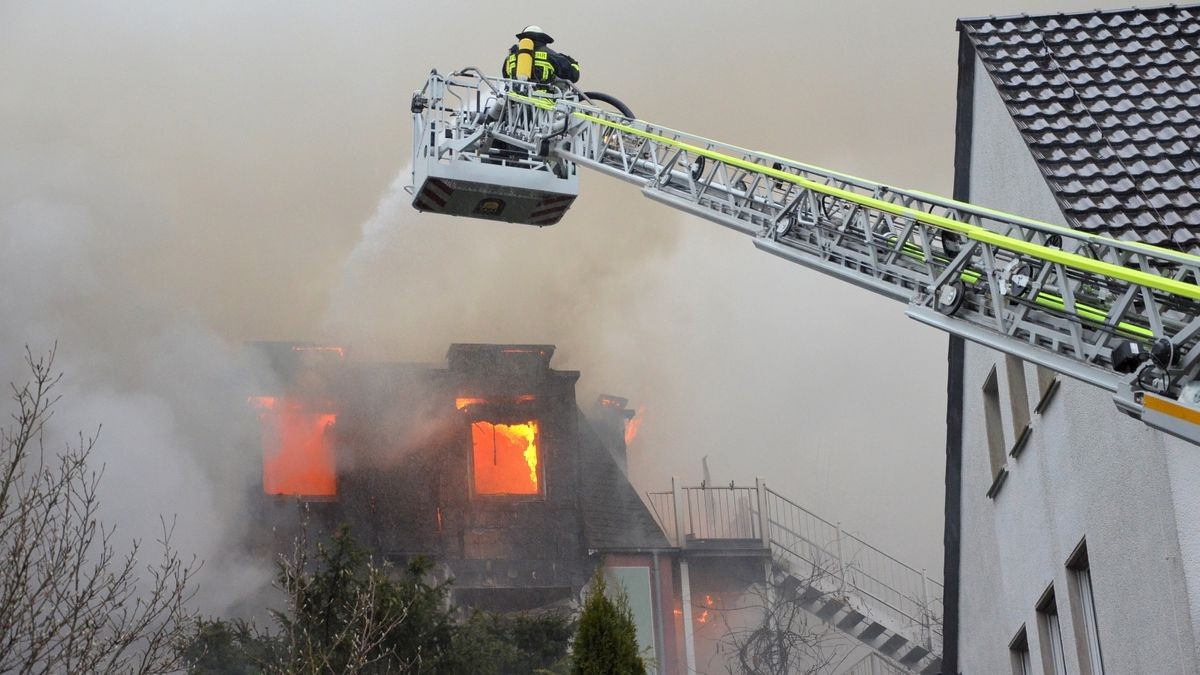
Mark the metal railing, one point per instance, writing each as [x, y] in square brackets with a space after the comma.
[817, 547]
[808, 547]
[709, 513]
[662, 505]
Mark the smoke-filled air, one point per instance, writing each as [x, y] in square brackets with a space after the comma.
[180, 179]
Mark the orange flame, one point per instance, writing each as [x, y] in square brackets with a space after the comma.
[705, 614]
[505, 458]
[634, 424]
[340, 351]
[463, 402]
[298, 454]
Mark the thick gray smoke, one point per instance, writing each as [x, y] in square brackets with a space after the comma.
[415, 283]
[168, 392]
[179, 178]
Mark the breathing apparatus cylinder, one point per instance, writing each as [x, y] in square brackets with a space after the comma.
[524, 59]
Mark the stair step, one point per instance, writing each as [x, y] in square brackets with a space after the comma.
[830, 608]
[893, 644]
[810, 595]
[934, 668]
[917, 653]
[873, 631]
[851, 620]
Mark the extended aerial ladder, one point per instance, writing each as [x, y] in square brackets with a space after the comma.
[1121, 315]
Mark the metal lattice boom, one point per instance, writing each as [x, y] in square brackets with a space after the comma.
[1123, 316]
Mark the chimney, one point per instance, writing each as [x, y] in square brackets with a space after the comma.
[610, 418]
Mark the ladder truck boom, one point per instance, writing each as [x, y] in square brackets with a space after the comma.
[1121, 315]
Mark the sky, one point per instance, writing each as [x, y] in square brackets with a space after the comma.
[178, 178]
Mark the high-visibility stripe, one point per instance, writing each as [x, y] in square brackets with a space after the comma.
[543, 103]
[1049, 300]
[1075, 261]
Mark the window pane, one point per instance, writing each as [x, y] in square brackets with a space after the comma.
[1083, 578]
[1057, 656]
[636, 582]
[1054, 659]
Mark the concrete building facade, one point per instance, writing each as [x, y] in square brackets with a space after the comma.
[1073, 532]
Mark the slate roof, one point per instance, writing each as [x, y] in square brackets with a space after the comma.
[1108, 103]
[614, 516]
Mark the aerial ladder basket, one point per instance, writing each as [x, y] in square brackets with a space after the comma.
[467, 162]
[1122, 316]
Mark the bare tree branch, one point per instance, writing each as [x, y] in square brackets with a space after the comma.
[69, 602]
[785, 638]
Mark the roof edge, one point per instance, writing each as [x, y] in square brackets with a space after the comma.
[958, 24]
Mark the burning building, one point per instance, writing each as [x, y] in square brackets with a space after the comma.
[487, 466]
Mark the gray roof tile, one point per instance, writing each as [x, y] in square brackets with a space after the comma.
[614, 515]
[1109, 105]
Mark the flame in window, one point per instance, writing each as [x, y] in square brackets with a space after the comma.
[297, 448]
[505, 458]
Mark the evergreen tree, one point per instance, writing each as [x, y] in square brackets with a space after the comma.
[346, 615]
[606, 641]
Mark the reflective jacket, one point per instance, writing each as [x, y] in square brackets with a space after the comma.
[547, 65]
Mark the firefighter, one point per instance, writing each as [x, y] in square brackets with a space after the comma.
[547, 63]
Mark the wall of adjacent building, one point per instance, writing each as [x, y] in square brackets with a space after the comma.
[1086, 471]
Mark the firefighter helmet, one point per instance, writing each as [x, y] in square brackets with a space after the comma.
[536, 34]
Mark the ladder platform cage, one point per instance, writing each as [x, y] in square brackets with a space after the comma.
[470, 159]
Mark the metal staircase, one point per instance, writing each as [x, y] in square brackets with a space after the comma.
[885, 604]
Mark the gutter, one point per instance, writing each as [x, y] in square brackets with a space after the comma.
[955, 357]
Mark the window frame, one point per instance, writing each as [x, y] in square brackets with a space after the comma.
[1018, 401]
[1054, 654]
[1083, 611]
[541, 492]
[1018, 647]
[993, 420]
